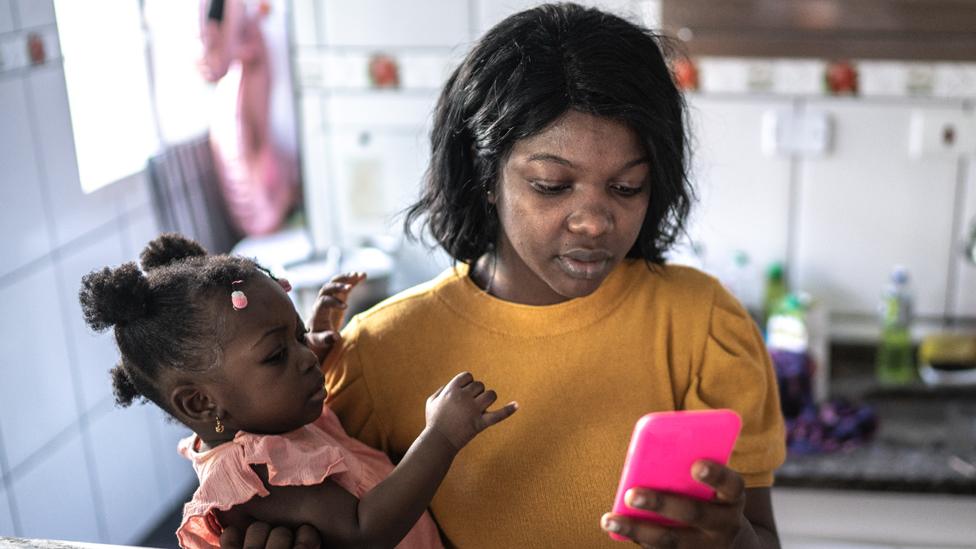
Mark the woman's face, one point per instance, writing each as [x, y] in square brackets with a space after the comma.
[571, 201]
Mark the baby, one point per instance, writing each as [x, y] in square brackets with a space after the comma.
[215, 341]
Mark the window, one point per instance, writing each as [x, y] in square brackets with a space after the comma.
[106, 75]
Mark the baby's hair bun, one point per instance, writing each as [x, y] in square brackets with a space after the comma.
[125, 391]
[169, 248]
[114, 296]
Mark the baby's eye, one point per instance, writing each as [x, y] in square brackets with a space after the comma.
[278, 356]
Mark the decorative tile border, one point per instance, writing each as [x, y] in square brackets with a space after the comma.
[807, 77]
[29, 47]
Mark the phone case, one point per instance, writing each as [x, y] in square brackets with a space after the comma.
[662, 450]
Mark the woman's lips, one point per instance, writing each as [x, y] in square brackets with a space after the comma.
[585, 264]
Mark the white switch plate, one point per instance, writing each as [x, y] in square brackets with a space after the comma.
[788, 132]
[941, 134]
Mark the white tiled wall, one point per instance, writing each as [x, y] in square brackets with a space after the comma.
[91, 375]
[73, 466]
[54, 494]
[35, 13]
[868, 206]
[379, 23]
[37, 397]
[122, 506]
[744, 196]
[23, 213]
[6, 520]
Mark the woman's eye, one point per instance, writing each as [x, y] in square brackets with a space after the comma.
[625, 190]
[548, 188]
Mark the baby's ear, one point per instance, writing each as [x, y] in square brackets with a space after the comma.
[192, 403]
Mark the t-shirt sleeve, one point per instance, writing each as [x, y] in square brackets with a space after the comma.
[736, 372]
[349, 394]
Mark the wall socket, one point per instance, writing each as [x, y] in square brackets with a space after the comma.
[934, 134]
[789, 132]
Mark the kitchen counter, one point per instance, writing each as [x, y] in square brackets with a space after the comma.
[916, 448]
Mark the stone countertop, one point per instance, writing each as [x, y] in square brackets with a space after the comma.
[916, 448]
[18, 543]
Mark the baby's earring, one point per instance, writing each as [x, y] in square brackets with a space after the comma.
[219, 427]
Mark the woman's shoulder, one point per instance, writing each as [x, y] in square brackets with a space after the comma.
[416, 301]
[674, 283]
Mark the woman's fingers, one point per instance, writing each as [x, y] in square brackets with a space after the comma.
[701, 515]
[307, 537]
[280, 537]
[729, 486]
[649, 534]
[232, 538]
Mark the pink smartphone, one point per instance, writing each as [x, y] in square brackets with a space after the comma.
[662, 450]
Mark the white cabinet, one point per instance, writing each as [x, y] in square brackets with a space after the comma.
[841, 218]
[964, 298]
[744, 194]
[869, 205]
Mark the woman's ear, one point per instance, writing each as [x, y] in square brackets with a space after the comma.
[193, 404]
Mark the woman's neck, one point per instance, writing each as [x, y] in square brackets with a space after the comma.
[498, 274]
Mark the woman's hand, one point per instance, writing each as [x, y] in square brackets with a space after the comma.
[260, 534]
[329, 312]
[458, 411]
[716, 523]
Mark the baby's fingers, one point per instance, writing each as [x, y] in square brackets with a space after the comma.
[499, 415]
[351, 278]
[335, 290]
[485, 399]
[322, 340]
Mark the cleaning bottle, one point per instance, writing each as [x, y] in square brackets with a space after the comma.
[775, 291]
[894, 363]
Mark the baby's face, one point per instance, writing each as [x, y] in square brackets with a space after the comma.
[270, 381]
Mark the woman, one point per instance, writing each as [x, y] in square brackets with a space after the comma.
[557, 182]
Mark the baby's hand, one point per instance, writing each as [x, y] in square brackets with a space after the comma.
[329, 312]
[458, 410]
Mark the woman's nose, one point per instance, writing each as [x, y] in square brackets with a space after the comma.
[590, 221]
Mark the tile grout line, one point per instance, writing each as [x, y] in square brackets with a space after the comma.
[100, 231]
[7, 483]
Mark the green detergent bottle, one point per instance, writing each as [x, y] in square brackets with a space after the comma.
[895, 362]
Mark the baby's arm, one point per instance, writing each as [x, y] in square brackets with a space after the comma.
[455, 414]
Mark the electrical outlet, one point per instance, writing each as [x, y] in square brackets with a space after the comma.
[941, 134]
[788, 132]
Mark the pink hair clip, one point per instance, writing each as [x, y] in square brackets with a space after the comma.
[285, 285]
[237, 297]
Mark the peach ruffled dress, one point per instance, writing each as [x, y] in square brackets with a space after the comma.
[304, 457]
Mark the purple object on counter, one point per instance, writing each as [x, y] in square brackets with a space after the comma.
[812, 428]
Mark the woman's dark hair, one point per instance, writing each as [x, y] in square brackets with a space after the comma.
[163, 314]
[518, 79]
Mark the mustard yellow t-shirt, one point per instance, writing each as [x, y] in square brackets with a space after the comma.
[583, 372]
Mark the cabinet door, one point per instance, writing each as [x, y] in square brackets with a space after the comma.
[744, 194]
[869, 205]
